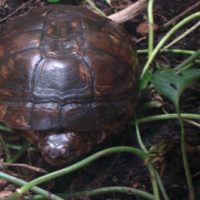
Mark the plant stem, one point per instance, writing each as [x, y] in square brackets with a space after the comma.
[188, 60]
[142, 146]
[119, 189]
[162, 189]
[97, 9]
[105, 190]
[5, 149]
[165, 38]
[35, 189]
[176, 51]
[78, 165]
[151, 168]
[182, 35]
[151, 28]
[18, 154]
[184, 156]
[153, 181]
[167, 116]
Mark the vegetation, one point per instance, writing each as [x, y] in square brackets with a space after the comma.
[169, 82]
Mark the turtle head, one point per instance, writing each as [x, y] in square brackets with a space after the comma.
[61, 148]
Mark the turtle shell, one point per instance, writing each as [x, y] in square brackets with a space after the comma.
[65, 67]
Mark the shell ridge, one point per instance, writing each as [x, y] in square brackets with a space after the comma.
[93, 79]
[34, 75]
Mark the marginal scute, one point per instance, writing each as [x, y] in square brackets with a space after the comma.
[111, 44]
[44, 116]
[78, 116]
[2, 50]
[112, 79]
[17, 116]
[3, 110]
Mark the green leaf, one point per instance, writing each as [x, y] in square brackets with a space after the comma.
[4, 128]
[144, 80]
[53, 1]
[163, 147]
[188, 60]
[171, 84]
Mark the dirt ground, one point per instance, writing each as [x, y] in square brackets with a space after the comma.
[125, 169]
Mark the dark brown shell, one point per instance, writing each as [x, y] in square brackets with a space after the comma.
[65, 67]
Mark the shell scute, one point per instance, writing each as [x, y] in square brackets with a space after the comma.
[81, 116]
[62, 79]
[44, 116]
[16, 77]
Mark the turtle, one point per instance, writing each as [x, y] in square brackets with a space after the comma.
[68, 78]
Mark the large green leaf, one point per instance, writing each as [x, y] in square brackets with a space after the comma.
[171, 84]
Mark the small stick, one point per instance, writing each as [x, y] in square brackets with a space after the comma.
[16, 10]
[37, 169]
[129, 12]
[173, 21]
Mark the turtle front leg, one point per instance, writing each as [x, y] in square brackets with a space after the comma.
[62, 148]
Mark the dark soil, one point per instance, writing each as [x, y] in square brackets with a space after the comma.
[125, 169]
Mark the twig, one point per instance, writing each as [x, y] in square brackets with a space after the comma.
[15, 11]
[95, 8]
[37, 169]
[173, 21]
[129, 12]
[180, 37]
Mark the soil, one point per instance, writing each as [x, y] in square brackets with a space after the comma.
[125, 169]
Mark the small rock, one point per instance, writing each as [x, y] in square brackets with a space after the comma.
[143, 28]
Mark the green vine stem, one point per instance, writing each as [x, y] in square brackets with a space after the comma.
[188, 60]
[151, 27]
[18, 154]
[5, 148]
[35, 189]
[167, 116]
[162, 189]
[184, 156]
[43, 194]
[165, 38]
[182, 35]
[20, 191]
[97, 9]
[105, 190]
[150, 166]
[176, 51]
[118, 189]
[156, 178]
[139, 138]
